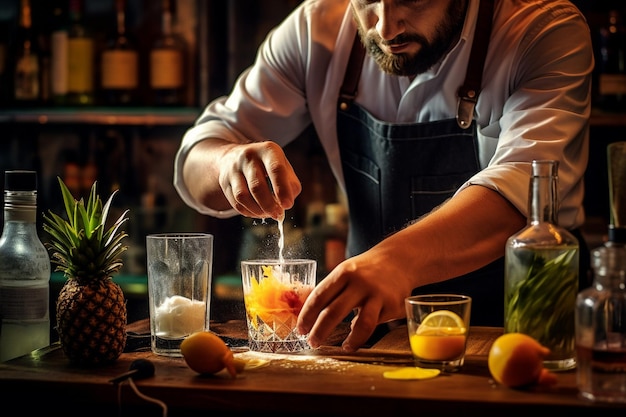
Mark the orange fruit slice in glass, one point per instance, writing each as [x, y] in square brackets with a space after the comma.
[440, 337]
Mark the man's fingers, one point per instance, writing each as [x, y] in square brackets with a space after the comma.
[320, 313]
[363, 326]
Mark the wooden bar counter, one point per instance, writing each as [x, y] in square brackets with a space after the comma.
[325, 382]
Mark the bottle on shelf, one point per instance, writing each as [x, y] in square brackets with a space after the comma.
[24, 270]
[611, 64]
[5, 93]
[45, 61]
[541, 273]
[58, 55]
[167, 63]
[601, 308]
[26, 69]
[119, 70]
[80, 58]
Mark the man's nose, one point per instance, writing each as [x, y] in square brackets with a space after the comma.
[390, 21]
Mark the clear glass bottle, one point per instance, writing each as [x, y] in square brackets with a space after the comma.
[24, 270]
[601, 309]
[601, 327]
[167, 63]
[119, 70]
[541, 273]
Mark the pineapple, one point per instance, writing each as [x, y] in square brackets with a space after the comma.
[91, 308]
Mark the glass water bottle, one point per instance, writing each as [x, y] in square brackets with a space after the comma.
[24, 271]
[541, 273]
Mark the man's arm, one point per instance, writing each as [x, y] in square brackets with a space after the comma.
[256, 179]
[201, 172]
[464, 234]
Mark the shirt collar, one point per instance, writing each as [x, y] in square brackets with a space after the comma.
[467, 34]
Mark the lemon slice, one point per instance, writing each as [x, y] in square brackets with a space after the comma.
[256, 363]
[445, 320]
[410, 373]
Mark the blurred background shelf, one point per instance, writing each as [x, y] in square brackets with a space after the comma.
[139, 116]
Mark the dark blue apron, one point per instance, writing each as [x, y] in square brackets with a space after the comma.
[395, 173]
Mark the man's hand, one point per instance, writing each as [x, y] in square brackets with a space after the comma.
[256, 179]
[368, 285]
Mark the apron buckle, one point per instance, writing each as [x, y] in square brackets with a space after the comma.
[465, 108]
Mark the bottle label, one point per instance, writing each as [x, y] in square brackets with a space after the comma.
[24, 303]
[59, 50]
[27, 77]
[612, 84]
[166, 69]
[80, 65]
[119, 69]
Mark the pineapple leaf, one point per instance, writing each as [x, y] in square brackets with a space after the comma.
[55, 226]
[81, 246]
[107, 205]
[68, 200]
[113, 231]
[94, 213]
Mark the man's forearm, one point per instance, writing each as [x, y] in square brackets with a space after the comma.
[201, 173]
[466, 233]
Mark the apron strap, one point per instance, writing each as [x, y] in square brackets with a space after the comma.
[348, 92]
[468, 92]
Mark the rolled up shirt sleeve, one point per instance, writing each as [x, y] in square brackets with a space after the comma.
[545, 110]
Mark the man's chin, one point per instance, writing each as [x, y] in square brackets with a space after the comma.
[394, 65]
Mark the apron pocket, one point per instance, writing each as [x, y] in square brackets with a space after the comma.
[362, 177]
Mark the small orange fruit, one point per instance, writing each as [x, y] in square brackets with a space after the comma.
[206, 353]
[516, 360]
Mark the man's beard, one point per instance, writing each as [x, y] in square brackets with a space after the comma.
[430, 53]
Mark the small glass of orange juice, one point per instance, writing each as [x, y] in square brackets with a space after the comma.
[438, 325]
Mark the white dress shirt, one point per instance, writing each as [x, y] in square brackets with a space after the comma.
[535, 101]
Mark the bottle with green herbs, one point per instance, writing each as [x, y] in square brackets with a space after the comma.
[541, 273]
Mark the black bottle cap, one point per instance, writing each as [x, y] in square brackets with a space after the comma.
[20, 180]
[617, 234]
